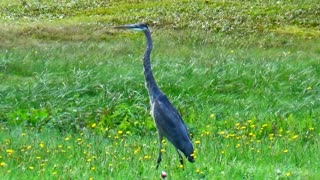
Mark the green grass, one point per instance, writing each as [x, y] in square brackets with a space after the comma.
[245, 77]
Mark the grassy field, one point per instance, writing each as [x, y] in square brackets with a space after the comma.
[244, 75]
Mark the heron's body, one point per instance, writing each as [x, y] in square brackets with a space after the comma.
[167, 119]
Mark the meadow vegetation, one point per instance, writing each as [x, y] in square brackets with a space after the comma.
[244, 75]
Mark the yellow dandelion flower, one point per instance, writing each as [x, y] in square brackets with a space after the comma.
[198, 170]
[212, 116]
[252, 126]
[41, 145]
[29, 147]
[3, 164]
[295, 136]
[271, 136]
[237, 145]
[264, 125]
[31, 167]
[197, 142]
[286, 151]
[311, 129]
[93, 125]
[136, 151]
[9, 151]
[163, 150]
[67, 138]
[54, 173]
[180, 166]
[120, 132]
[222, 152]
[23, 134]
[288, 174]
[237, 125]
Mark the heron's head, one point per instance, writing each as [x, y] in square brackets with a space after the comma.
[136, 27]
[188, 151]
[191, 157]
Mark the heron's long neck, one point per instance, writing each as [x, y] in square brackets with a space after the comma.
[151, 84]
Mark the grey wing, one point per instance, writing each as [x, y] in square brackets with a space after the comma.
[169, 122]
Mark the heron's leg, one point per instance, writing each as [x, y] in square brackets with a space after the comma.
[160, 147]
[180, 157]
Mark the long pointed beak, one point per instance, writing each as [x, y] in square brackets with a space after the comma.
[137, 27]
[128, 26]
[124, 26]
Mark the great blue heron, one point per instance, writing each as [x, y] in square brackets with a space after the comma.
[167, 119]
